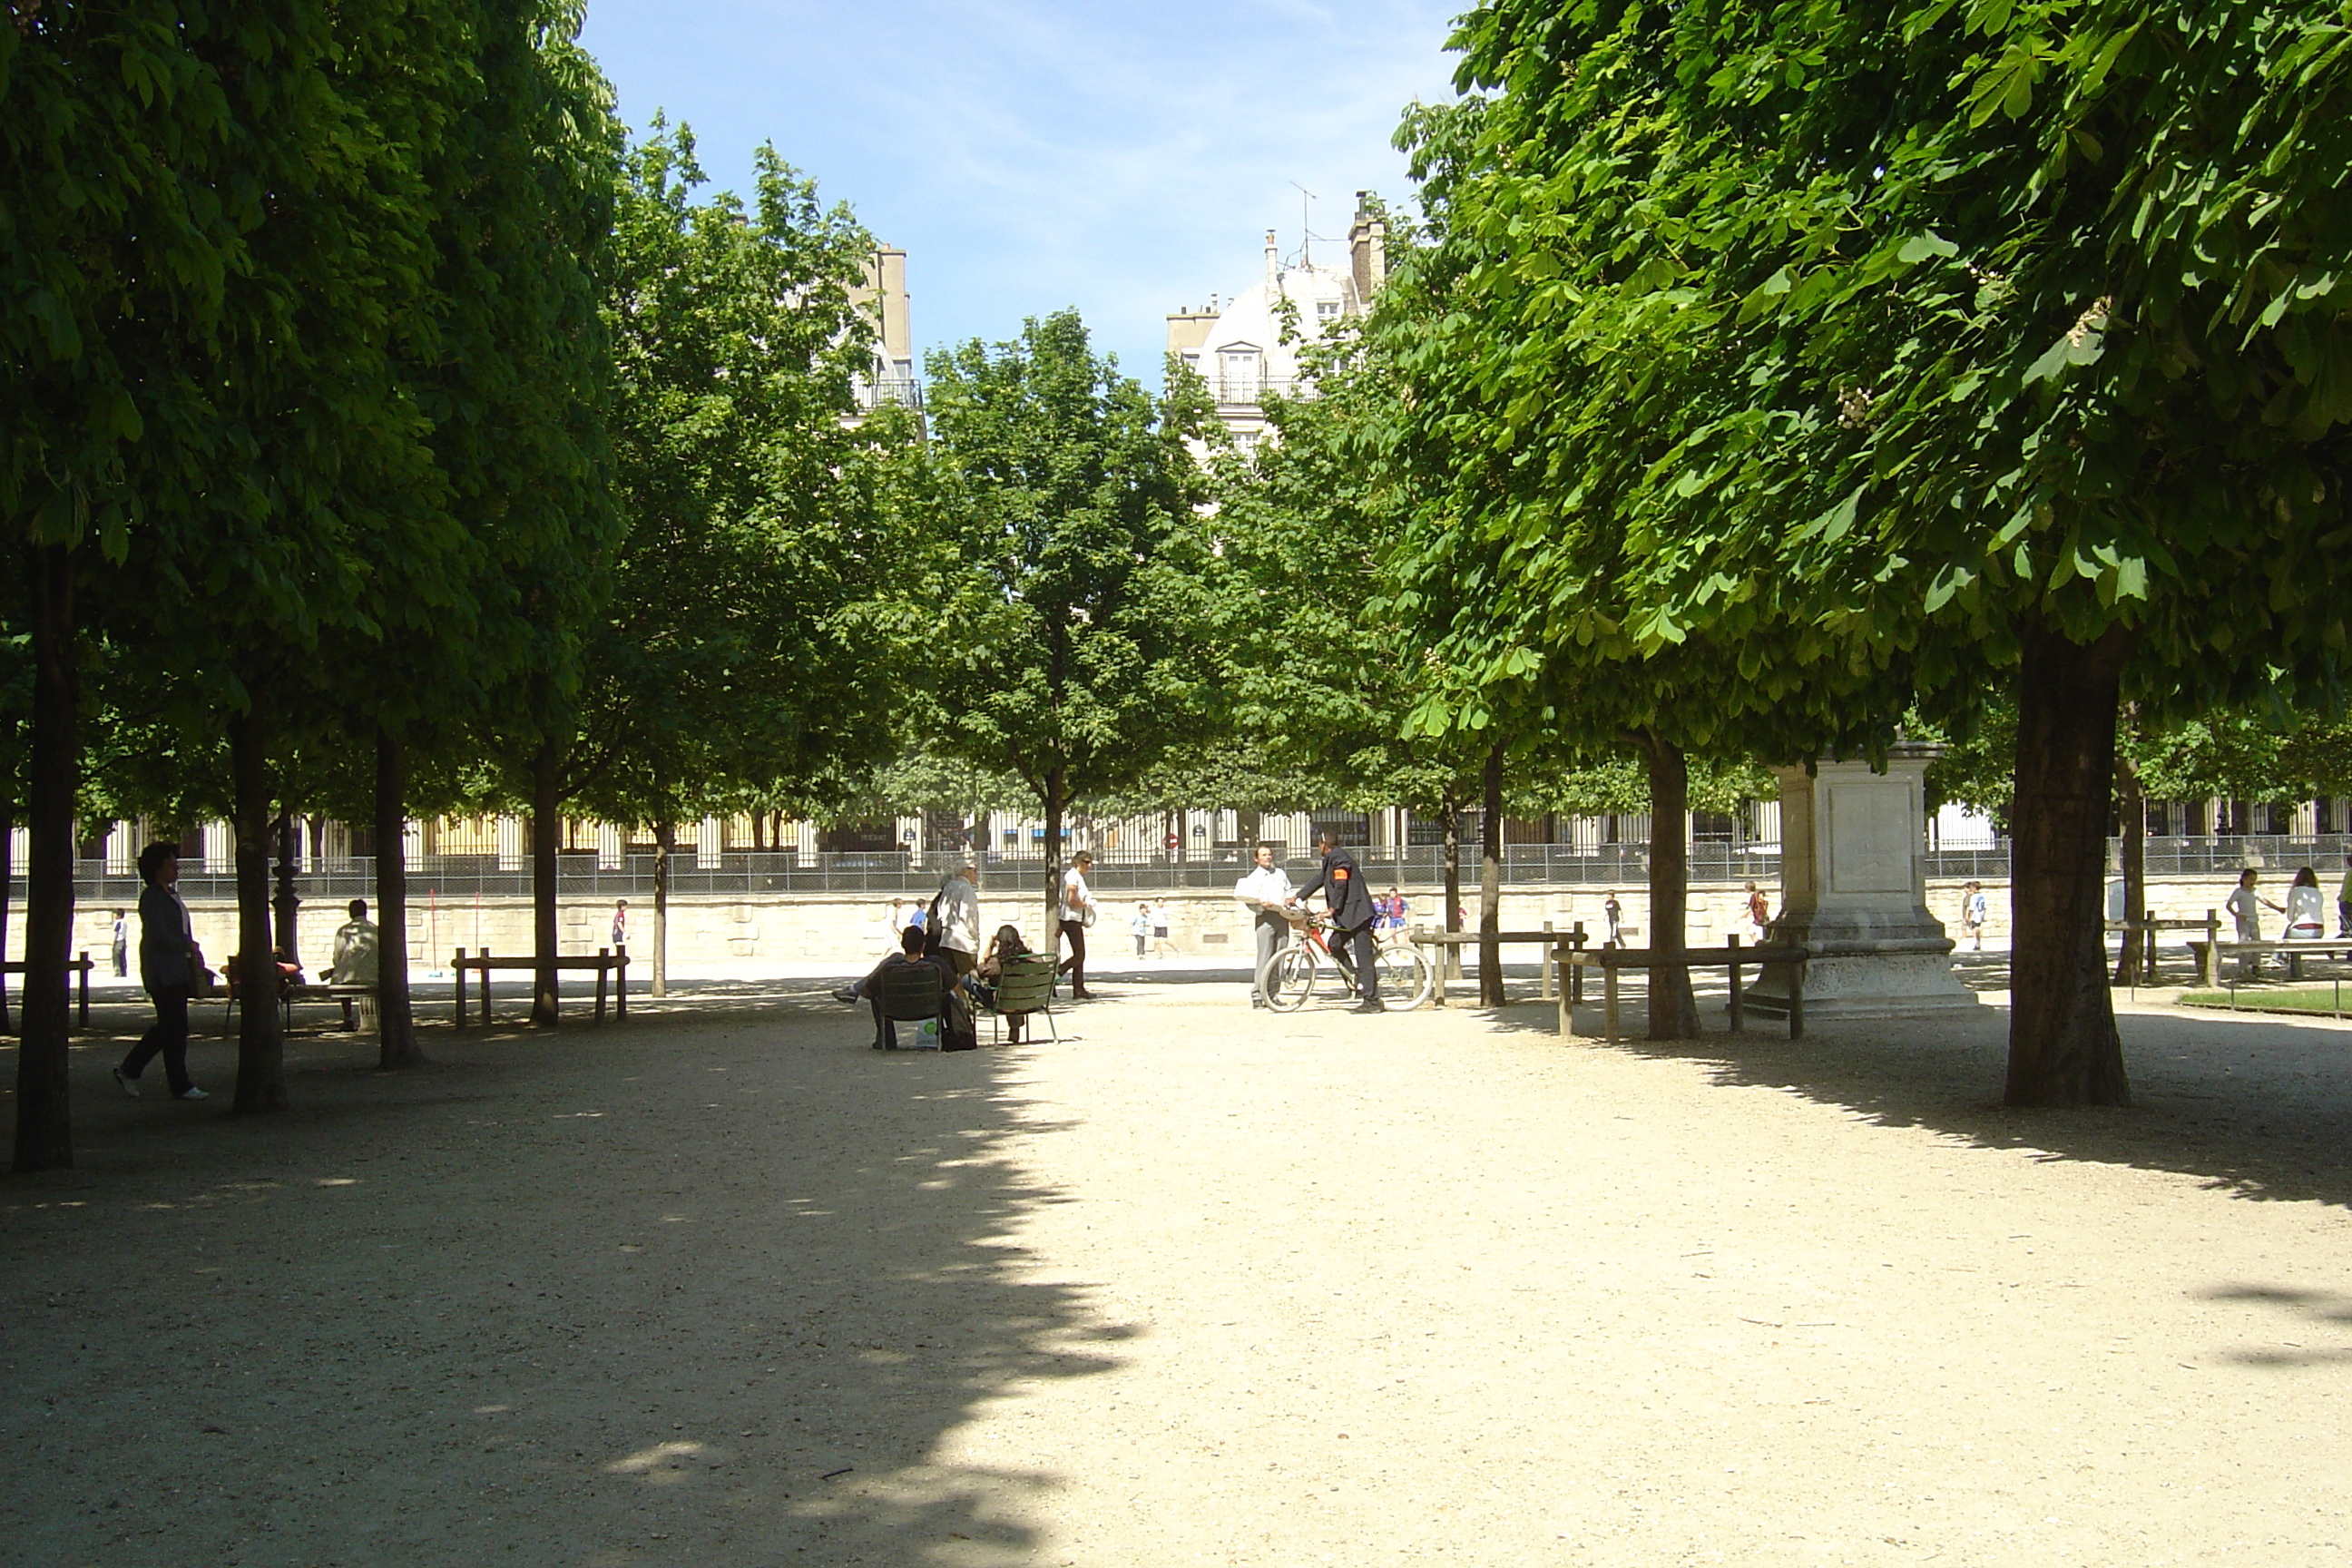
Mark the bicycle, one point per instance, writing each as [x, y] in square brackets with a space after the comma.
[1403, 977]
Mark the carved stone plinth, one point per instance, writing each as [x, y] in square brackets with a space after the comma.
[1854, 894]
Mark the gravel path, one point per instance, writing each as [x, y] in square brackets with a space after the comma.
[1193, 1287]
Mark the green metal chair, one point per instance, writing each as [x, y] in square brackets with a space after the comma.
[910, 993]
[1023, 990]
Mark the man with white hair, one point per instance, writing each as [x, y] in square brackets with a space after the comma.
[1265, 891]
[959, 922]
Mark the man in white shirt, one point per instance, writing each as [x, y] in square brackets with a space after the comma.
[1078, 911]
[959, 919]
[1266, 888]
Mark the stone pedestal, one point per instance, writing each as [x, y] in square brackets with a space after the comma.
[1854, 895]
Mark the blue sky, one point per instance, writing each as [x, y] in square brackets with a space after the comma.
[1124, 158]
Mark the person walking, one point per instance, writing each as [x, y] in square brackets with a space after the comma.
[1613, 915]
[959, 922]
[1349, 904]
[1266, 891]
[1972, 915]
[621, 924]
[1759, 912]
[170, 964]
[122, 943]
[1396, 909]
[1160, 946]
[1140, 924]
[1075, 913]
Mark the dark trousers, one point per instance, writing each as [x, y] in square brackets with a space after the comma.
[168, 1037]
[1073, 932]
[1358, 945]
[2344, 917]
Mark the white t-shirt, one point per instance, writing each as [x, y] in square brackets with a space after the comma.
[2244, 904]
[1076, 897]
[1264, 885]
[2305, 909]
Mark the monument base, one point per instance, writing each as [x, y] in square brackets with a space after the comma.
[1865, 977]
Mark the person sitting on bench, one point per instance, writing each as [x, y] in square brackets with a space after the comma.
[910, 945]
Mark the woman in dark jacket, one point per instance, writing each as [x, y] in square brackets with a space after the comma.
[170, 965]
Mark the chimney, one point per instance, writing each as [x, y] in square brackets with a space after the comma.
[1368, 256]
[1273, 261]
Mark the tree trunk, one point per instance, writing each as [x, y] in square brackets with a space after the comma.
[1674, 1009]
[665, 846]
[44, 1119]
[1449, 815]
[1490, 883]
[260, 1039]
[1055, 779]
[546, 831]
[2131, 802]
[2062, 1045]
[396, 1017]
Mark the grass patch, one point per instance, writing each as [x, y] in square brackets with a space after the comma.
[2321, 999]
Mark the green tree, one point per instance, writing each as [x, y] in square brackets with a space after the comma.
[761, 605]
[1069, 658]
[210, 222]
[1982, 338]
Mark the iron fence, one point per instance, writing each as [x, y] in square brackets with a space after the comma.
[898, 874]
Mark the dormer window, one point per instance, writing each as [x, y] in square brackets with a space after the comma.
[1237, 376]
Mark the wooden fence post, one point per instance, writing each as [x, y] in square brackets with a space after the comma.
[2209, 966]
[1559, 956]
[621, 984]
[486, 988]
[1575, 970]
[1735, 982]
[457, 969]
[603, 956]
[1608, 1001]
[1550, 964]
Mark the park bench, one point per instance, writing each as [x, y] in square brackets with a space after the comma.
[1446, 963]
[1733, 957]
[347, 996]
[78, 967]
[608, 962]
[2212, 949]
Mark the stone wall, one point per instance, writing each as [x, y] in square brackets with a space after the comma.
[778, 928]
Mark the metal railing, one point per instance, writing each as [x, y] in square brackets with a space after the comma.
[898, 874]
[904, 390]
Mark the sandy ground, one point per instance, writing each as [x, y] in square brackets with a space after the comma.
[1193, 1286]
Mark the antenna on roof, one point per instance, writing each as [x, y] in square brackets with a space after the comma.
[1306, 224]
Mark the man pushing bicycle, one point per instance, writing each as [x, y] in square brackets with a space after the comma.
[1349, 904]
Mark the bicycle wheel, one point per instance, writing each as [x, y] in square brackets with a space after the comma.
[1405, 977]
[1287, 979]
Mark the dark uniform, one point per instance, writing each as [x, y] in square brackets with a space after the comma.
[1350, 903]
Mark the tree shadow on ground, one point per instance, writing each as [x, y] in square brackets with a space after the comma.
[703, 1289]
[2255, 1105]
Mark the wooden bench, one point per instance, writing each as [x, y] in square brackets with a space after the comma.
[78, 967]
[1734, 957]
[607, 962]
[308, 990]
[1446, 963]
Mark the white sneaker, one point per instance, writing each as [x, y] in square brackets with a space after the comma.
[192, 1092]
[128, 1086]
